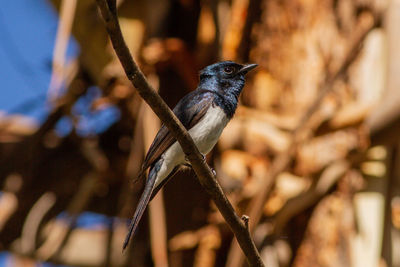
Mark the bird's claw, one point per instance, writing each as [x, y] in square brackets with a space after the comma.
[213, 172]
[204, 159]
[187, 157]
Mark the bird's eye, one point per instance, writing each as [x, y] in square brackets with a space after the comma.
[229, 70]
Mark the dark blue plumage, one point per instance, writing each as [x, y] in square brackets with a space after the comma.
[226, 86]
[204, 112]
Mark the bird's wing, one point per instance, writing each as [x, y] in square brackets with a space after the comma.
[189, 111]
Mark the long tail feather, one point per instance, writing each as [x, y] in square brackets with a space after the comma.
[144, 200]
[163, 182]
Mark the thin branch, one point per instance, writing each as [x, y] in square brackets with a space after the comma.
[57, 239]
[67, 13]
[33, 220]
[245, 220]
[294, 206]
[202, 170]
[61, 231]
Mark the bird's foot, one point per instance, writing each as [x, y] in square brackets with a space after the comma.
[187, 158]
[187, 164]
[204, 157]
[213, 171]
[187, 161]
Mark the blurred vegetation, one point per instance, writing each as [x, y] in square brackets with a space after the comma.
[312, 154]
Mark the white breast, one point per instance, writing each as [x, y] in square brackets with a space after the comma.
[207, 131]
[205, 134]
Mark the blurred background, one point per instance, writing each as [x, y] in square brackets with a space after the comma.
[312, 154]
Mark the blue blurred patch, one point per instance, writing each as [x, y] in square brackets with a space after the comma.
[87, 220]
[4, 256]
[46, 264]
[64, 126]
[90, 220]
[92, 122]
[28, 29]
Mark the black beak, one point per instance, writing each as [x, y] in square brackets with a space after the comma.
[246, 68]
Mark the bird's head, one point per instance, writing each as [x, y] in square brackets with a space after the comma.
[225, 76]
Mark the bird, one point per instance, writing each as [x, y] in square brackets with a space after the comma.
[204, 112]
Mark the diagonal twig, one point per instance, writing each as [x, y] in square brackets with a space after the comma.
[67, 13]
[109, 12]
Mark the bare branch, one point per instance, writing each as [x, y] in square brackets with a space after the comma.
[67, 13]
[245, 219]
[202, 170]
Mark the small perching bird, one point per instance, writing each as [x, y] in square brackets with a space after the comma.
[205, 113]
